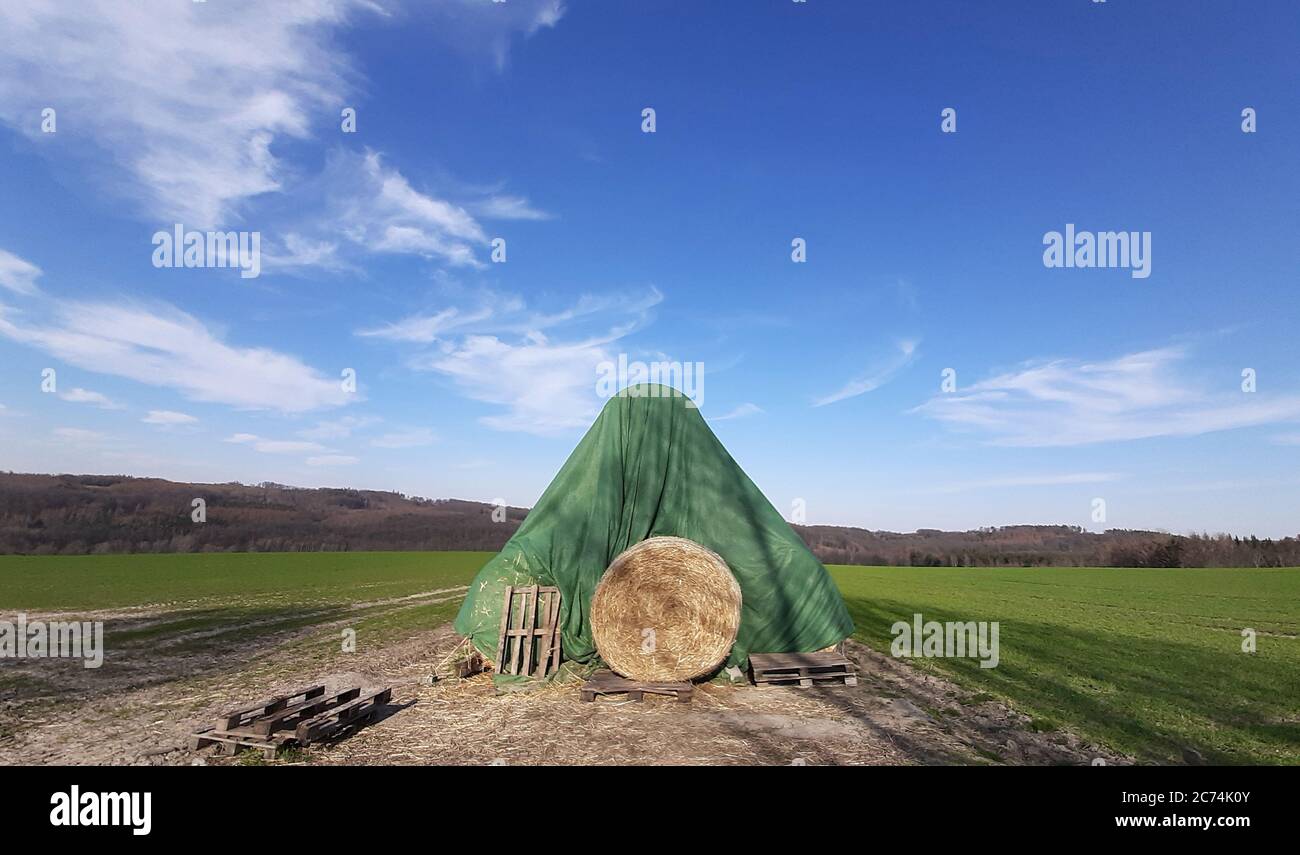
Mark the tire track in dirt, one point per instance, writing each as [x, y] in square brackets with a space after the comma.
[896, 715]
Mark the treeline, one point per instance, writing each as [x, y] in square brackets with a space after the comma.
[1046, 546]
[94, 514]
[104, 514]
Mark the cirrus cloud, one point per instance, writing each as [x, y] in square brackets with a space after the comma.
[166, 347]
[17, 274]
[168, 418]
[1065, 402]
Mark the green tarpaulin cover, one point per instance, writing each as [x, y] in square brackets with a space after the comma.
[651, 466]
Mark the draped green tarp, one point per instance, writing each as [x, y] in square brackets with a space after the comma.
[651, 466]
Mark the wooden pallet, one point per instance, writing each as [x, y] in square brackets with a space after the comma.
[289, 717]
[233, 742]
[529, 642]
[802, 669]
[609, 683]
[305, 716]
[246, 715]
[334, 722]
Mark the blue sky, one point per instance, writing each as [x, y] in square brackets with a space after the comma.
[774, 121]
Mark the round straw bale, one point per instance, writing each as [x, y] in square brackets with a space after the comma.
[666, 610]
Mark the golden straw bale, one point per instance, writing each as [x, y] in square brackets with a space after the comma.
[667, 609]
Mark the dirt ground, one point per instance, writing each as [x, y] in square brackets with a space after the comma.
[895, 715]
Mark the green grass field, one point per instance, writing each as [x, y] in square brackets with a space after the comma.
[1147, 661]
[270, 579]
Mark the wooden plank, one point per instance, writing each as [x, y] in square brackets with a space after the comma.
[530, 622]
[236, 718]
[794, 672]
[230, 744]
[555, 635]
[768, 676]
[825, 679]
[519, 647]
[554, 646]
[305, 710]
[808, 669]
[609, 683]
[784, 677]
[772, 661]
[544, 651]
[330, 728]
[802, 669]
[332, 721]
[505, 625]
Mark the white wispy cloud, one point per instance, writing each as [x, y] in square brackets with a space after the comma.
[85, 396]
[875, 377]
[477, 28]
[360, 203]
[405, 439]
[79, 436]
[389, 215]
[498, 352]
[184, 100]
[333, 460]
[1073, 402]
[340, 428]
[162, 346]
[17, 274]
[740, 412]
[275, 446]
[546, 387]
[502, 314]
[184, 107]
[168, 418]
[426, 329]
[296, 252]
[506, 207]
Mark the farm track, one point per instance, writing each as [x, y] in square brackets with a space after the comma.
[896, 715]
[57, 711]
[154, 613]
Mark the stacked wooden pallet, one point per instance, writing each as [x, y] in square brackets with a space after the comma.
[299, 718]
[802, 669]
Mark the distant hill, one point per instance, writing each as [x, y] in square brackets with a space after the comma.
[97, 514]
[75, 514]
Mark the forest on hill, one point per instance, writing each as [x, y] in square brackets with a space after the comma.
[107, 514]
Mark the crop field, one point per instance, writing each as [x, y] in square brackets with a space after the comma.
[211, 625]
[1149, 662]
[298, 578]
[1146, 662]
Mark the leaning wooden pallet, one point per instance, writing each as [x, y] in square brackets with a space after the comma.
[530, 615]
